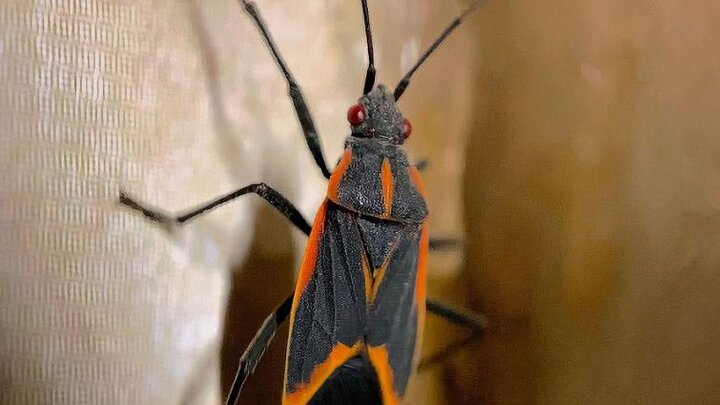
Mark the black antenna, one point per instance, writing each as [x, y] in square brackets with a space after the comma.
[370, 75]
[301, 109]
[400, 89]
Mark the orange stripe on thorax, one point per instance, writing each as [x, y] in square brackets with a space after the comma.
[386, 176]
[337, 175]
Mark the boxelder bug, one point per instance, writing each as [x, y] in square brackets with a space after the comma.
[357, 312]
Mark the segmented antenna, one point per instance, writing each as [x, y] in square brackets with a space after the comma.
[400, 89]
[370, 75]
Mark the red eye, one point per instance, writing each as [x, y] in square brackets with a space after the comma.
[356, 115]
[407, 129]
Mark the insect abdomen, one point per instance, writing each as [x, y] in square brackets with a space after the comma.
[353, 383]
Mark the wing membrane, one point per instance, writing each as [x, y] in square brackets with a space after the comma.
[330, 311]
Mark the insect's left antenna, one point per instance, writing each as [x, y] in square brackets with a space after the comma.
[370, 75]
[301, 109]
[400, 89]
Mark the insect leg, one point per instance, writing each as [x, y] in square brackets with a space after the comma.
[446, 352]
[257, 347]
[276, 199]
[255, 350]
[422, 164]
[439, 243]
[468, 319]
[477, 323]
[299, 103]
[445, 244]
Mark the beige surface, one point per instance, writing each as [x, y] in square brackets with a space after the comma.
[177, 102]
[592, 203]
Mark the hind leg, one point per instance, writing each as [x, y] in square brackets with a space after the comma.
[257, 347]
[252, 355]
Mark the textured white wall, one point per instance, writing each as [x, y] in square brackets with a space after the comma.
[177, 102]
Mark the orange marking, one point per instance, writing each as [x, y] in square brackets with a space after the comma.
[379, 359]
[307, 268]
[337, 175]
[304, 392]
[420, 282]
[379, 274]
[417, 181]
[367, 277]
[386, 176]
[420, 286]
[380, 271]
[311, 251]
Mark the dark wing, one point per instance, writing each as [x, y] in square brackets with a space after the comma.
[329, 311]
[397, 310]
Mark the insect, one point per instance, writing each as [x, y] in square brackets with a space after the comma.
[357, 312]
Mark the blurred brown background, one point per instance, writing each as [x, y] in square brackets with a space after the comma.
[573, 144]
[590, 201]
[592, 204]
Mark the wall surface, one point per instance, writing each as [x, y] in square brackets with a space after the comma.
[592, 204]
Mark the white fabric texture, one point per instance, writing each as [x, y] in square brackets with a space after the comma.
[177, 102]
[97, 305]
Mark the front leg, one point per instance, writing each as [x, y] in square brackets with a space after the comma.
[277, 200]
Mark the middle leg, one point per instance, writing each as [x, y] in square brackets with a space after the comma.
[255, 350]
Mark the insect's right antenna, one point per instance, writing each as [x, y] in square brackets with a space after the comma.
[400, 89]
[370, 75]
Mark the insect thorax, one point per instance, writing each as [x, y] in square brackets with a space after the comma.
[374, 178]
